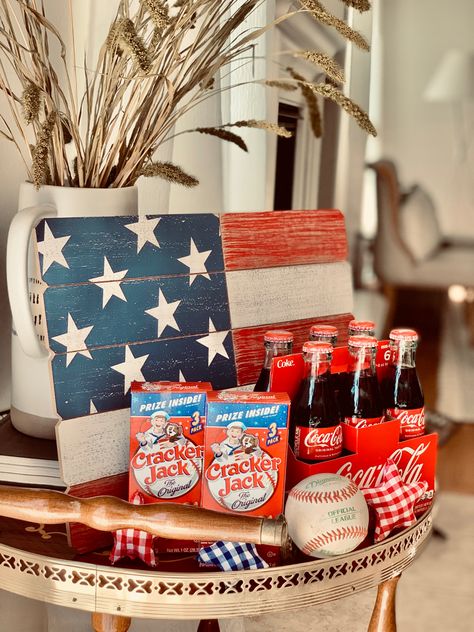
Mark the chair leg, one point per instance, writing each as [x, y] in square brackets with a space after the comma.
[110, 622]
[383, 616]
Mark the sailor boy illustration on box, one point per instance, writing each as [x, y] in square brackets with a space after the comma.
[156, 433]
[232, 444]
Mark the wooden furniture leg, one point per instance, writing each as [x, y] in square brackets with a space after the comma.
[383, 615]
[110, 622]
[208, 625]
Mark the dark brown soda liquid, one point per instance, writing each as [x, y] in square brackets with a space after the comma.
[402, 389]
[263, 381]
[363, 396]
[314, 406]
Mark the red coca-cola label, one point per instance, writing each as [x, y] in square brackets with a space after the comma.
[318, 444]
[412, 421]
[363, 422]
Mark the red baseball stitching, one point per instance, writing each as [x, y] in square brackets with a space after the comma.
[333, 536]
[337, 495]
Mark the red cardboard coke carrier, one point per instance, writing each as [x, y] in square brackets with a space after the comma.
[367, 448]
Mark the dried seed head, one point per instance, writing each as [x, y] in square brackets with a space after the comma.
[170, 172]
[159, 13]
[319, 13]
[311, 102]
[40, 168]
[274, 83]
[330, 67]
[270, 127]
[357, 113]
[224, 134]
[360, 5]
[31, 100]
[127, 38]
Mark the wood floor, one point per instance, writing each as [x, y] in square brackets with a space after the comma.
[424, 312]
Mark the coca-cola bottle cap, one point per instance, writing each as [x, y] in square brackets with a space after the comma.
[362, 325]
[278, 335]
[407, 335]
[323, 330]
[362, 342]
[317, 347]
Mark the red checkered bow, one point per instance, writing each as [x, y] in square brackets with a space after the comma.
[133, 543]
[394, 501]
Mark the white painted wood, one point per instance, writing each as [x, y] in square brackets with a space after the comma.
[93, 447]
[245, 175]
[288, 293]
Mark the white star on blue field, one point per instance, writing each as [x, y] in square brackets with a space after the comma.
[131, 299]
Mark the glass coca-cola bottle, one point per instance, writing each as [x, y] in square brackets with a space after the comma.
[277, 342]
[364, 406]
[402, 390]
[361, 328]
[323, 333]
[315, 426]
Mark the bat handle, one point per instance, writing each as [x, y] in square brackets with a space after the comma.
[166, 520]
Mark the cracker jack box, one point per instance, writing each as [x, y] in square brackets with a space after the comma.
[246, 442]
[366, 449]
[167, 444]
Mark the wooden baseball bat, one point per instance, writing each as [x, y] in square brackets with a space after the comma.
[165, 520]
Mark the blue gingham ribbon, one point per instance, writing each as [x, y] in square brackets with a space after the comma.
[232, 556]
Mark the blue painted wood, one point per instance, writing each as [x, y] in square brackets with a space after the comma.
[121, 322]
[93, 238]
[93, 379]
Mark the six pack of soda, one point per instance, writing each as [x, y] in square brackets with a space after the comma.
[353, 407]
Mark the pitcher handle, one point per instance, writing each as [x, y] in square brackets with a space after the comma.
[17, 276]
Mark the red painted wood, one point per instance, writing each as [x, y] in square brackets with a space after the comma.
[248, 342]
[82, 538]
[265, 240]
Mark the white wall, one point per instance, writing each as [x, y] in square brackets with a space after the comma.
[416, 134]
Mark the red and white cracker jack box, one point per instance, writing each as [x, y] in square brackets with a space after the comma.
[366, 449]
[167, 444]
[246, 441]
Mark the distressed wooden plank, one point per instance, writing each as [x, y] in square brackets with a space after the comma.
[273, 295]
[73, 250]
[150, 309]
[87, 378]
[261, 240]
[248, 343]
[93, 447]
[82, 538]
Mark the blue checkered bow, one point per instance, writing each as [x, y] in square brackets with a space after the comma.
[232, 556]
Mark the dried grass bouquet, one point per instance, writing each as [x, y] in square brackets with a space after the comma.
[160, 59]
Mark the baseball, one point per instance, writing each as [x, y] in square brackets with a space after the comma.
[327, 515]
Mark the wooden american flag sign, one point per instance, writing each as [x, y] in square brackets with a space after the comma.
[182, 297]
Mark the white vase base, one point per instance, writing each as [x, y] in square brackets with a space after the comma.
[33, 425]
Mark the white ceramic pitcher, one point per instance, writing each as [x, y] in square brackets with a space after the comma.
[32, 407]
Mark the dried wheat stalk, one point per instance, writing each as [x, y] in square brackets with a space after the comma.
[159, 61]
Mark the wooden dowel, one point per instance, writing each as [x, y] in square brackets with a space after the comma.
[109, 622]
[383, 616]
[165, 520]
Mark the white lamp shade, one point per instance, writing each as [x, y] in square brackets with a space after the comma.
[453, 79]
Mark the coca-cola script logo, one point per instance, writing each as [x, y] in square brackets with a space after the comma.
[372, 476]
[283, 364]
[414, 418]
[316, 438]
